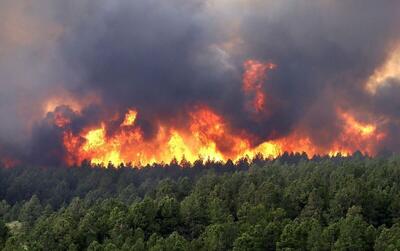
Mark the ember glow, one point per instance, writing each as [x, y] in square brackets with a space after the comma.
[9, 162]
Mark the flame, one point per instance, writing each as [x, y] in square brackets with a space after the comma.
[357, 127]
[207, 134]
[254, 78]
[354, 135]
[130, 118]
[95, 139]
[60, 120]
[358, 135]
[208, 137]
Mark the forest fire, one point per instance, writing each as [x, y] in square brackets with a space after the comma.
[207, 137]
[205, 133]
[201, 133]
[147, 82]
[353, 136]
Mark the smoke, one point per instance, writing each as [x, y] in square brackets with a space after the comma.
[28, 67]
[164, 58]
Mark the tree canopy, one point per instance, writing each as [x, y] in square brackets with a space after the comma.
[291, 203]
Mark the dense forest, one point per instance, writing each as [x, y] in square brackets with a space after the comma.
[290, 203]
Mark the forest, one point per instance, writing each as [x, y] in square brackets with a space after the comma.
[288, 203]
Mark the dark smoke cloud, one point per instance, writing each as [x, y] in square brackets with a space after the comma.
[164, 57]
[325, 52]
[145, 52]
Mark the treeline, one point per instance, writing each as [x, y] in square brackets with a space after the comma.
[291, 203]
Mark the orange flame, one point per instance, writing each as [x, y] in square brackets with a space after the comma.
[60, 120]
[130, 118]
[358, 135]
[208, 135]
[254, 78]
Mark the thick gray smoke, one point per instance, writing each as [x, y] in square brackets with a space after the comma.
[164, 57]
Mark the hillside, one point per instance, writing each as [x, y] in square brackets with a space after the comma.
[290, 203]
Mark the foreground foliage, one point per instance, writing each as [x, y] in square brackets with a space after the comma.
[287, 204]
